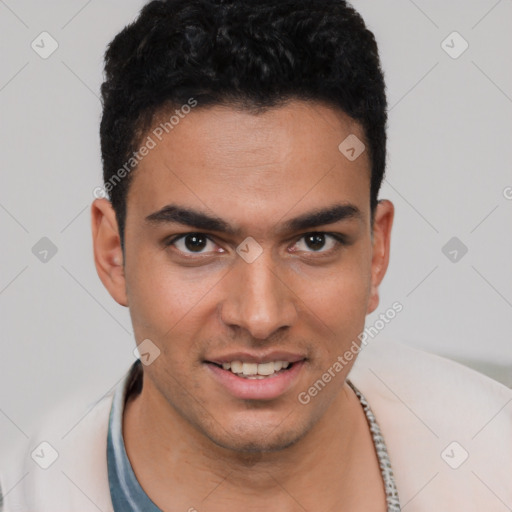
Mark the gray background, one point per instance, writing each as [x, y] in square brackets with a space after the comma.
[450, 155]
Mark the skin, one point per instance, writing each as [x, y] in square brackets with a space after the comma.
[192, 444]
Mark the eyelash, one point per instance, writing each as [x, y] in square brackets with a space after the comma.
[341, 240]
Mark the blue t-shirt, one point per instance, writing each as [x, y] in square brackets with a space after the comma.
[126, 492]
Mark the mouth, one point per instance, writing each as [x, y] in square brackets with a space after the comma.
[249, 379]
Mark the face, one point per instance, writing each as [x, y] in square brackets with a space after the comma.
[248, 241]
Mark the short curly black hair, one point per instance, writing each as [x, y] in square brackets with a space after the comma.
[253, 53]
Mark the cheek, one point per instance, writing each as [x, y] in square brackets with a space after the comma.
[339, 294]
[164, 299]
[341, 303]
[338, 301]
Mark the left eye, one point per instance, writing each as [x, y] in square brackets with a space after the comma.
[192, 243]
[318, 241]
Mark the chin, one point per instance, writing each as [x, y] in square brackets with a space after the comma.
[253, 439]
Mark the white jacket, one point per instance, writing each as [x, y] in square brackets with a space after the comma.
[448, 430]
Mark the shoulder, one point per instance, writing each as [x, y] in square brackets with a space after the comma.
[393, 371]
[448, 428]
[426, 376]
[63, 466]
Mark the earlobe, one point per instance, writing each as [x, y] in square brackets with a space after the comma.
[108, 254]
[383, 223]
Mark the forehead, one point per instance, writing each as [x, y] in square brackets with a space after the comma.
[251, 165]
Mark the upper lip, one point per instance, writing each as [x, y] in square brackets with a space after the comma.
[247, 357]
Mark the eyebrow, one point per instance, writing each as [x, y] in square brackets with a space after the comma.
[173, 213]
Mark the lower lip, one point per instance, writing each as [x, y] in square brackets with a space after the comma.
[256, 389]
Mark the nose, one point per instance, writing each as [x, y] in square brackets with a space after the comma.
[258, 298]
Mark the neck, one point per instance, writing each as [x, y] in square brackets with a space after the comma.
[175, 463]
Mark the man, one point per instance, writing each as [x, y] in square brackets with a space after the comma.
[244, 146]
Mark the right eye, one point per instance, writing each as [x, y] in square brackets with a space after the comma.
[191, 243]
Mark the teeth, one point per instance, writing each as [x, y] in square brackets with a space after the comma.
[236, 367]
[266, 368]
[255, 370]
[250, 368]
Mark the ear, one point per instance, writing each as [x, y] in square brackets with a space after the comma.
[383, 221]
[108, 254]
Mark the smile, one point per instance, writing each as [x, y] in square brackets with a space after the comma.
[256, 370]
[266, 380]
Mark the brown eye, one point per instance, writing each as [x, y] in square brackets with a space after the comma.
[318, 242]
[195, 242]
[192, 243]
[315, 241]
